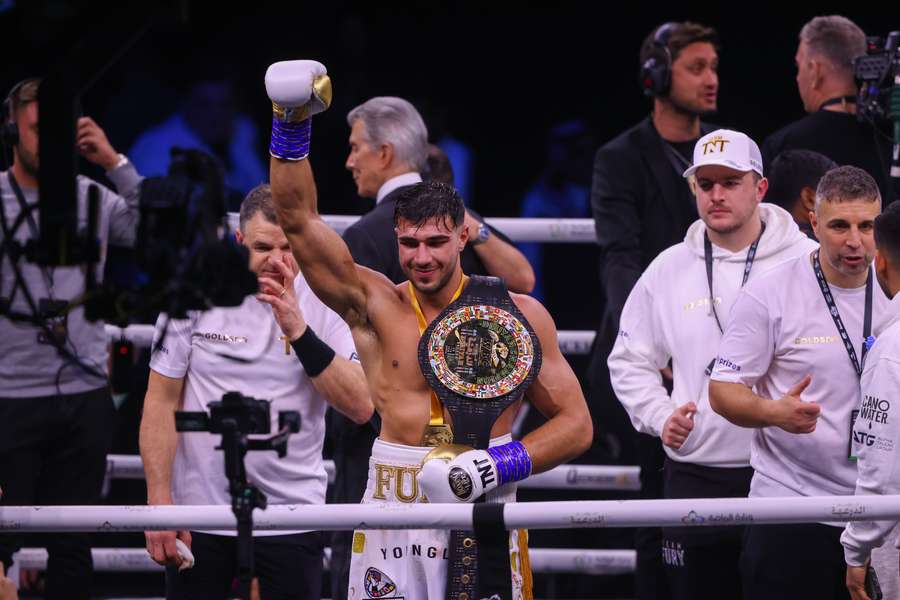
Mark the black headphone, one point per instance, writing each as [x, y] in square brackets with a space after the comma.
[656, 72]
[9, 131]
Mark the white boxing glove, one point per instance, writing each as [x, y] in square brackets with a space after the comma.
[298, 89]
[460, 474]
[462, 479]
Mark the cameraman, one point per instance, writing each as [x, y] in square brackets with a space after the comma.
[825, 57]
[56, 413]
[267, 348]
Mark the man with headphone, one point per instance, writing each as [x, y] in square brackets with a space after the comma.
[56, 413]
[642, 205]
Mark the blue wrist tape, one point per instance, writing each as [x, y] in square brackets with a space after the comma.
[290, 140]
[512, 461]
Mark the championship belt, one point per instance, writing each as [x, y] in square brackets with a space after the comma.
[479, 356]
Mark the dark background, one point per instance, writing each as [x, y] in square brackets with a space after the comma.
[497, 76]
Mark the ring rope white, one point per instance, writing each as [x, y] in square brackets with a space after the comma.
[520, 515]
[563, 477]
[543, 560]
[570, 342]
[576, 231]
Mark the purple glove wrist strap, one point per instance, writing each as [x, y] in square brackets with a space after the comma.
[290, 141]
[512, 462]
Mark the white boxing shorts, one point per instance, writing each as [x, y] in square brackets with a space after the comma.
[402, 564]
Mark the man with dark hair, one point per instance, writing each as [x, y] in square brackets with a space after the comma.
[430, 346]
[274, 352]
[827, 49]
[788, 366]
[875, 433]
[56, 413]
[642, 205]
[389, 150]
[793, 177]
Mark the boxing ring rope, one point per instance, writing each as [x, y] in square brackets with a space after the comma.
[565, 231]
[570, 342]
[563, 477]
[520, 515]
[543, 560]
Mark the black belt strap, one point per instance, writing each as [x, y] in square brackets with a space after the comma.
[472, 420]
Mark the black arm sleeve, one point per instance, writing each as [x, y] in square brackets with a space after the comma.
[616, 203]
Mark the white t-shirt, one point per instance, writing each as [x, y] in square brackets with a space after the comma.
[193, 349]
[780, 330]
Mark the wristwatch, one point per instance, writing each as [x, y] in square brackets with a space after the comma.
[123, 160]
[484, 232]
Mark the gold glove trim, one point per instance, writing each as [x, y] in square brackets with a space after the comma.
[446, 452]
[321, 87]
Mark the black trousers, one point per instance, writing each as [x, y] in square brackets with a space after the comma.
[289, 567]
[650, 576]
[53, 452]
[702, 562]
[787, 562]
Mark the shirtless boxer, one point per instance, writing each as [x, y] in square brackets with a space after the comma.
[387, 322]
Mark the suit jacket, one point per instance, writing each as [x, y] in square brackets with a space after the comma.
[641, 205]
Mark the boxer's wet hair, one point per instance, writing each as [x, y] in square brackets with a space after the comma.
[258, 200]
[429, 200]
[887, 233]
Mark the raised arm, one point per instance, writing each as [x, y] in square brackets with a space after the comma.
[299, 89]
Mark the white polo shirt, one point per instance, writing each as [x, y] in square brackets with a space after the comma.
[780, 330]
[197, 349]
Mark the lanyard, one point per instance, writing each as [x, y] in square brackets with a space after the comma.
[748, 265]
[836, 315]
[437, 411]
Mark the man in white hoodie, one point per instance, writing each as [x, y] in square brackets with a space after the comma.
[676, 312]
[789, 366]
[876, 434]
